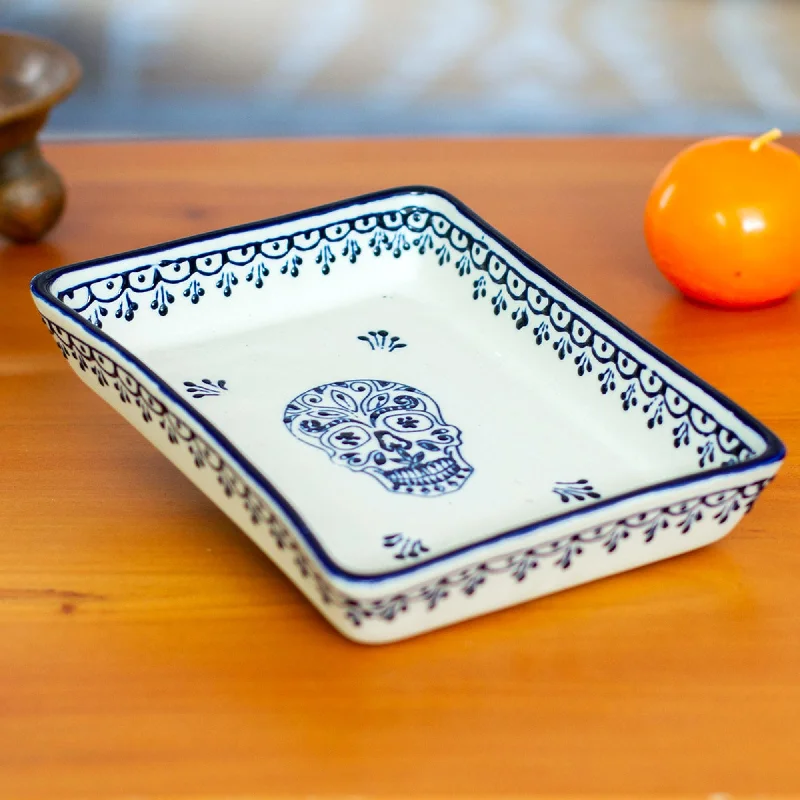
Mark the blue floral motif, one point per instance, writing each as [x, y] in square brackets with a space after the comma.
[404, 546]
[206, 388]
[346, 439]
[580, 490]
[382, 340]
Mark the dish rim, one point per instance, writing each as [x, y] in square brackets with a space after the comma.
[774, 451]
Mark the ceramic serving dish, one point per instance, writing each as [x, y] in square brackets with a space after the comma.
[413, 418]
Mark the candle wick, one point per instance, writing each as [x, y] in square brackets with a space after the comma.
[765, 138]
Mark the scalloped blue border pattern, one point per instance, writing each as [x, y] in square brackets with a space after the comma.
[527, 304]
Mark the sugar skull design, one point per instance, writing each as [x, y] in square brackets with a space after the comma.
[391, 431]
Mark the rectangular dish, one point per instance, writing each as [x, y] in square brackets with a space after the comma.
[414, 419]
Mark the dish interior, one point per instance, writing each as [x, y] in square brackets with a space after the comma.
[409, 384]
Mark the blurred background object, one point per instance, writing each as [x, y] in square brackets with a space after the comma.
[352, 67]
[35, 74]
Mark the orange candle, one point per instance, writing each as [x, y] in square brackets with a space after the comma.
[722, 221]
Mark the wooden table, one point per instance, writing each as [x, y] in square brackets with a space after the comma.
[146, 647]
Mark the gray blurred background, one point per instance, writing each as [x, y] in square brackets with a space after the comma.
[199, 68]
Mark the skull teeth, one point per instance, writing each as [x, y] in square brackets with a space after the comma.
[431, 474]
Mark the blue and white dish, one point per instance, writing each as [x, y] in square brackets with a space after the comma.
[414, 419]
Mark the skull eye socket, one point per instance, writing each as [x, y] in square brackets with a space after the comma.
[348, 437]
[408, 422]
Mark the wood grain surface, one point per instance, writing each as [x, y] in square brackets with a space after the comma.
[148, 649]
